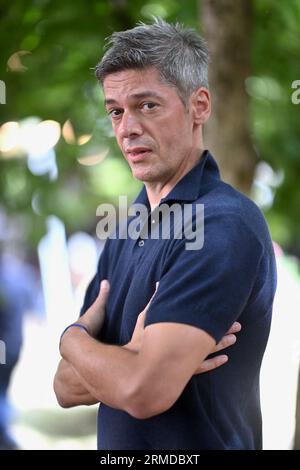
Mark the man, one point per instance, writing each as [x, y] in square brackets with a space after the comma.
[147, 368]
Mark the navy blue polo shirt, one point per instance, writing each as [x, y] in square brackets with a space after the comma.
[232, 277]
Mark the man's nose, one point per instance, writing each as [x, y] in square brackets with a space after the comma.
[129, 126]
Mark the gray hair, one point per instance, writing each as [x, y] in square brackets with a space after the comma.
[179, 54]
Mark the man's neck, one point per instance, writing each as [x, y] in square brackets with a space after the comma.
[159, 190]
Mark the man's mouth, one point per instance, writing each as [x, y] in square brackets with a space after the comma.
[137, 153]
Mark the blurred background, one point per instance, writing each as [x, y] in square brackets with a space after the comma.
[59, 161]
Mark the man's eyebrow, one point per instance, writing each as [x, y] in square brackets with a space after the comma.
[109, 101]
[143, 94]
[147, 94]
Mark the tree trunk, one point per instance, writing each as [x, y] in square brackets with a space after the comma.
[227, 26]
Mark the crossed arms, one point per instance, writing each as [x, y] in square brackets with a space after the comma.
[144, 377]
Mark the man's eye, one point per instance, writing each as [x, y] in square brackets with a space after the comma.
[148, 105]
[114, 113]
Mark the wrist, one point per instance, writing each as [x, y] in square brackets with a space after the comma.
[94, 328]
[72, 329]
[69, 343]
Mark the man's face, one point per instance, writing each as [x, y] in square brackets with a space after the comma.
[151, 124]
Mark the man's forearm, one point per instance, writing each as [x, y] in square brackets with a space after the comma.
[108, 372]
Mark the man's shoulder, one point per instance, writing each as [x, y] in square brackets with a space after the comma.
[225, 201]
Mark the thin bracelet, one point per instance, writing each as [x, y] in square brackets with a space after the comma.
[70, 326]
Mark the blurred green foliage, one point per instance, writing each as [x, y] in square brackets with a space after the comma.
[65, 40]
[275, 119]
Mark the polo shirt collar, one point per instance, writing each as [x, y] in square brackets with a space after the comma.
[190, 186]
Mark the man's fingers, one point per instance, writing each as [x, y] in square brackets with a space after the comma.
[141, 317]
[103, 293]
[226, 341]
[211, 364]
[235, 328]
[229, 338]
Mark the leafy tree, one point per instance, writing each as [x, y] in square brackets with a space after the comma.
[56, 81]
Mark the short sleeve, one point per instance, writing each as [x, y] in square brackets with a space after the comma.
[209, 288]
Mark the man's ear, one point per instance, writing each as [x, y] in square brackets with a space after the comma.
[200, 105]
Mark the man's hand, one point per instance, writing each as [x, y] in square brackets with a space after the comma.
[228, 340]
[94, 317]
[209, 364]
